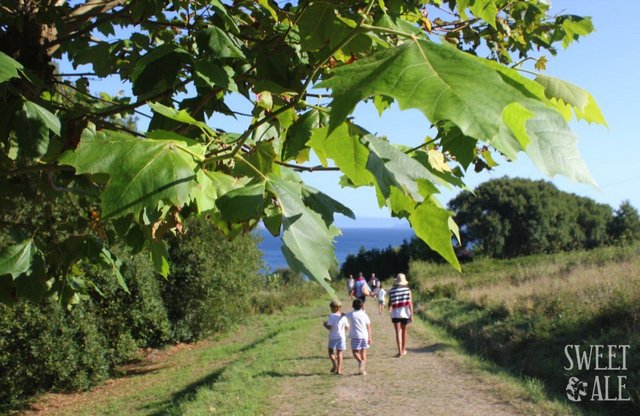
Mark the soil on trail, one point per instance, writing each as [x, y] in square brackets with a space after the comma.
[429, 380]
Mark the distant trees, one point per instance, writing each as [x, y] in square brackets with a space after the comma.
[507, 217]
[624, 227]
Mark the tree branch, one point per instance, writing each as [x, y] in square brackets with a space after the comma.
[300, 168]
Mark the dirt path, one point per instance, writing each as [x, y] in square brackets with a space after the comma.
[429, 380]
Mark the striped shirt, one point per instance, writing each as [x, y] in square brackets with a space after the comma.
[399, 301]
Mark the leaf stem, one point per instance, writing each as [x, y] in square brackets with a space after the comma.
[387, 30]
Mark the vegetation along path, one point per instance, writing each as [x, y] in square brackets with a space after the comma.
[277, 365]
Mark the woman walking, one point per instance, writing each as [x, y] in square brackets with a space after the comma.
[401, 308]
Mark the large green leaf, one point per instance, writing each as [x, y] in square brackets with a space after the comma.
[215, 43]
[181, 116]
[299, 134]
[324, 205]
[447, 85]
[142, 172]
[307, 241]
[394, 168]
[9, 67]
[320, 27]
[431, 224]
[344, 147]
[212, 184]
[553, 146]
[158, 70]
[242, 204]
[17, 259]
[32, 124]
[583, 103]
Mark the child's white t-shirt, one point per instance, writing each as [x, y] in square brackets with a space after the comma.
[381, 294]
[359, 320]
[338, 323]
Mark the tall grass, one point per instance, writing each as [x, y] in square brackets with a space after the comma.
[520, 313]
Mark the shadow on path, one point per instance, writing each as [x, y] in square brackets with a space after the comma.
[430, 349]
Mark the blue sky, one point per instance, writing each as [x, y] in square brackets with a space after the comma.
[603, 63]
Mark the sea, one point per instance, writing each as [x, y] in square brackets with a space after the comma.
[350, 242]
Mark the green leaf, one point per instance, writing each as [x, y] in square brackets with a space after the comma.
[554, 147]
[242, 204]
[261, 158]
[583, 103]
[515, 116]
[431, 224]
[160, 257]
[35, 111]
[212, 184]
[181, 116]
[32, 133]
[307, 241]
[114, 265]
[401, 204]
[392, 167]
[574, 27]
[299, 134]
[142, 172]
[215, 43]
[448, 85]
[272, 218]
[320, 27]
[343, 146]
[158, 70]
[460, 146]
[17, 259]
[443, 83]
[215, 75]
[324, 205]
[486, 10]
[32, 285]
[9, 67]
[382, 103]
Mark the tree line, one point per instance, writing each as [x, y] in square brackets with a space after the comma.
[506, 218]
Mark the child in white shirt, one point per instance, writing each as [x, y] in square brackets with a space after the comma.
[336, 324]
[360, 334]
[381, 296]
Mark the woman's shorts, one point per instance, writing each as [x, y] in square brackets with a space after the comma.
[337, 344]
[402, 321]
[359, 344]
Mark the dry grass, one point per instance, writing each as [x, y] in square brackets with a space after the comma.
[589, 288]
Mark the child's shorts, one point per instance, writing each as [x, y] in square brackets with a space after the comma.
[381, 302]
[359, 344]
[337, 344]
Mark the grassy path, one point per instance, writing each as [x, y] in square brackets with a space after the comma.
[277, 365]
[434, 379]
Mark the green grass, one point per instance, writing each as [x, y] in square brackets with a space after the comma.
[235, 374]
[520, 313]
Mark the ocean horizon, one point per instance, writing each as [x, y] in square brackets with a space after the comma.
[350, 242]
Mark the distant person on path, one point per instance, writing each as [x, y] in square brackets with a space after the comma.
[361, 289]
[374, 282]
[336, 324]
[401, 308]
[351, 283]
[360, 334]
[381, 295]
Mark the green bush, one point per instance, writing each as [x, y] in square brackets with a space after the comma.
[45, 346]
[211, 281]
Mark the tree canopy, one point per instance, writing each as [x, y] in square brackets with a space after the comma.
[506, 218]
[472, 67]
